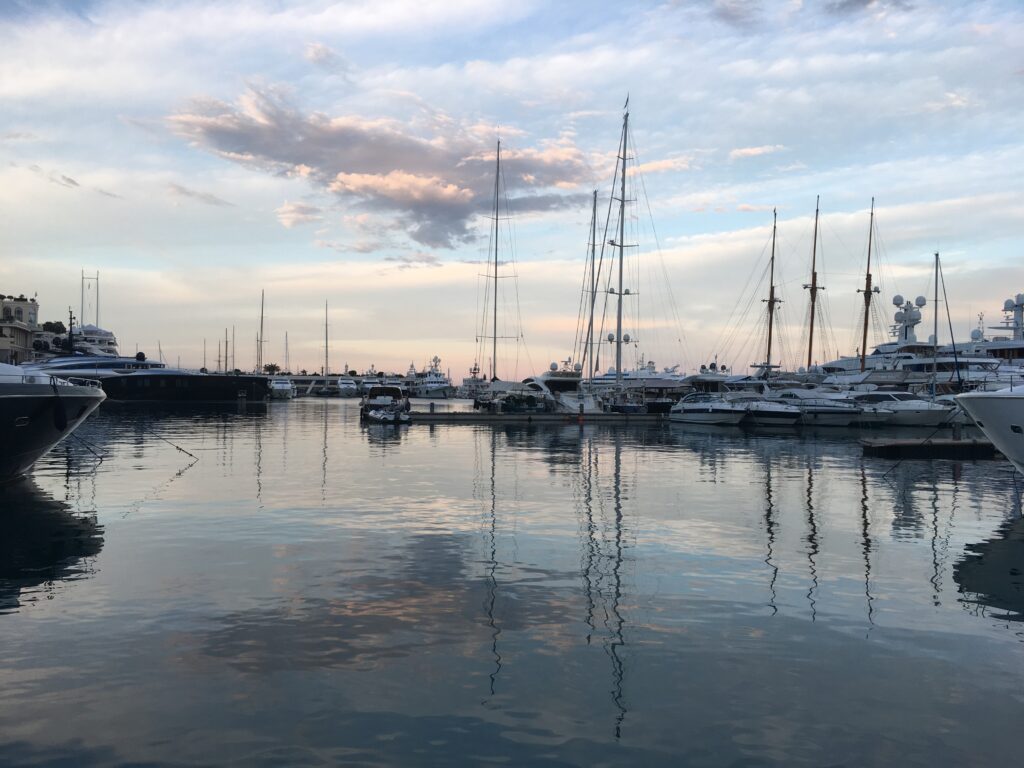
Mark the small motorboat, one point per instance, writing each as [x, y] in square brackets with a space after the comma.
[387, 416]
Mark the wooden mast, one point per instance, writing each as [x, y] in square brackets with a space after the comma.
[867, 292]
[813, 285]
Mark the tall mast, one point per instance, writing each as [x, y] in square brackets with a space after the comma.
[593, 288]
[204, 355]
[772, 301]
[259, 343]
[287, 362]
[935, 329]
[867, 292]
[225, 350]
[622, 246]
[494, 325]
[813, 285]
[327, 365]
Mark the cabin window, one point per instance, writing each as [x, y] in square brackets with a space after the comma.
[1016, 428]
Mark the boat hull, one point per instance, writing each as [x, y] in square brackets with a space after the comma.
[31, 424]
[828, 418]
[1001, 417]
[714, 416]
[185, 387]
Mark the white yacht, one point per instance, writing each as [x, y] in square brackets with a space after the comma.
[706, 408]
[764, 413]
[907, 410]
[429, 383]
[281, 388]
[822, 408]
[347, 387]
[383, 399]
[1000, 415]
[37, 411]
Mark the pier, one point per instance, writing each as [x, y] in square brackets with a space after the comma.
[930, 448]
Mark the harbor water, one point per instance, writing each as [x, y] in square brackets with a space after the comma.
[279, 585]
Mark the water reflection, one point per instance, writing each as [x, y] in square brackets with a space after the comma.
[991, 575]
[42, 543]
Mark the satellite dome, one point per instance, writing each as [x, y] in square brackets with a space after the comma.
[625, 292]
[898, 317]
[578, 368]
[611, 337]
[553, 367]
[1020, 298]
[897, 300]
[625, 338]
[976, 334]
[1008, 305]
[915, 314]
[920, 301]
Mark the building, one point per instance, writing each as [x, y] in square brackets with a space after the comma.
[19, 323]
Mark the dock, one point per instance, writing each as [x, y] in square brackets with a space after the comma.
[497, 419]
[944, 448]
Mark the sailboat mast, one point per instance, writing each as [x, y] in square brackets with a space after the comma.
[494, 324]
[259, 344]
[867, 292]
[287, 361]
[771, 299]
[593, 288]
[935, 329]
[327, 365]
[622, 249]
[813, 285]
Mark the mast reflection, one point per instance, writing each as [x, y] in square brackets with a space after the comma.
[602, 560]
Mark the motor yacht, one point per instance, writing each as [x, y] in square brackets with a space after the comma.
[706, 408]
[137, 378]
[764, 413]
[37, 411]
[908, 410]
[281, 388]
[383, 399]
[821, 408]
[1000, 415]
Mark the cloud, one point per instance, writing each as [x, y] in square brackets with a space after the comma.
[433, 173]
[414, 260]
[203, 197]
[668, 164]
[18, 136]
[949, 100]
[766, 149]
[292, 214]
[327, 59]
[749, 208]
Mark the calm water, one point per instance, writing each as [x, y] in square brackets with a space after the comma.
[308, 591]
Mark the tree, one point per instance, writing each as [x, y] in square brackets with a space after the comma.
[271, 368]
[51, 326]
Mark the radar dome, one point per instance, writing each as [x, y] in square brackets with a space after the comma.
[915, 314]
[920, 301]
[1008, 305]
[611, 337]
[898, 317]
[578, 368]
[897, 300]
[625, 338]
[976, 334]
[625, 292]
[553, 367]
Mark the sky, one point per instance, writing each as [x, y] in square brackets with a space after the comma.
[195, 154]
